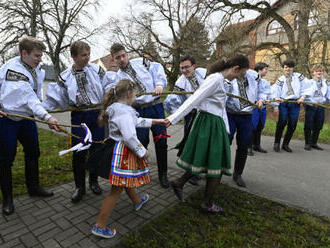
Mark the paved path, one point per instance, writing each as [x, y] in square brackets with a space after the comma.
[299, 179]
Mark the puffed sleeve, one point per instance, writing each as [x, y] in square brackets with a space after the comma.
[56, 97]
[110, 80]
[126, 125]
[205, 90]
[172, 103]
[306, 88]
[265, 90]
[18, 96]
[276, 89]
[158, 75]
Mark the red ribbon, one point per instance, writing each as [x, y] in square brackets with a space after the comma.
[164, 135]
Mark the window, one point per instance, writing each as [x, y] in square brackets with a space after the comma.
[312, 20]
[274, 27]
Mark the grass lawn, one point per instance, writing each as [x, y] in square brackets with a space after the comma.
[247, 221]
[270, 128]
[53, 169]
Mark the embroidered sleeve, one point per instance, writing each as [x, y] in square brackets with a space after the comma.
[301, 77]
[144, 122]
[15, 76]
[127, 129]
[177, 88]
[280, 83]
[101, 73]
[61, 82]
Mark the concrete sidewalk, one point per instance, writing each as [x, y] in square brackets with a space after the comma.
[299, 179]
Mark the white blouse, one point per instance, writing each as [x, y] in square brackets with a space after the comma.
[209, 97]
[123, 120]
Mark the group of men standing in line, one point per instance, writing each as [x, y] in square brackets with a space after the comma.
[85, 83]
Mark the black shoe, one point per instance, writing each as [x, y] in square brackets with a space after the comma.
[250, 152]
[308, 147]
[78, 195]
[259, 149]
[40, 192]
[95, 187]
[317, 147]
[8, 207]
[286, 148]
[164, 181]
[194, 180]
[178, 191]
[239, 181]
[277, 147]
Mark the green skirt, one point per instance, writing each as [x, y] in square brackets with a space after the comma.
[207, 149]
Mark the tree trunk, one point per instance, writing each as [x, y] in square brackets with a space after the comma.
[303, 41]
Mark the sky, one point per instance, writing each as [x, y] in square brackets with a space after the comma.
[114, 8]
[118, 8]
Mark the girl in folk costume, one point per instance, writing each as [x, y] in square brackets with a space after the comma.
[122, 159]
[314, 115]
[207, 149]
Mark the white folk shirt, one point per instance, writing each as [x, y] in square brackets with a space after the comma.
[173, 102]
[300, 87]
[123, 121]
[254, 91]
[20, 92]
[65, 93]
[319, 95]
[209, 97]
[151, 75]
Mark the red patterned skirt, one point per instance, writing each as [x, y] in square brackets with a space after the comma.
[116, 162]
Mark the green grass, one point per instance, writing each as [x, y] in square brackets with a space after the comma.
[53, 169]
[247, 221]
[270, 128]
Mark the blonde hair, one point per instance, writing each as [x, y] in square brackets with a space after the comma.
[113, 95]
[317, 67]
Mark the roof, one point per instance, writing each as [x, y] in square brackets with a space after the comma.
[106, 63]
[246, 26]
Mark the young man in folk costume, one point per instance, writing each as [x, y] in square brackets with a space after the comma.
[21, 82]
[314, 115]
[240, 116]
[291, 86]
[191, 78]
[259, 115]
[81, 85]
[149, 77]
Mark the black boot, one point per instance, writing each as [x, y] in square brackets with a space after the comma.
[308, 141]
[32, 179]
[256, 142]
[94, 186]
[161, 155]
[286, 141]
[277, 147]
[79, 174]
[315, 137]
[7, 190]
[240, 160]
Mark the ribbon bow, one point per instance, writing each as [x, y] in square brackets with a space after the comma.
[164, 135]
[84, 144]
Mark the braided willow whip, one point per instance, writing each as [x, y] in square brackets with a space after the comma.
[150, 93]
[309, 103]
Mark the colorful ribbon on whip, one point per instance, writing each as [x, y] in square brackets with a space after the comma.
[84, 144]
